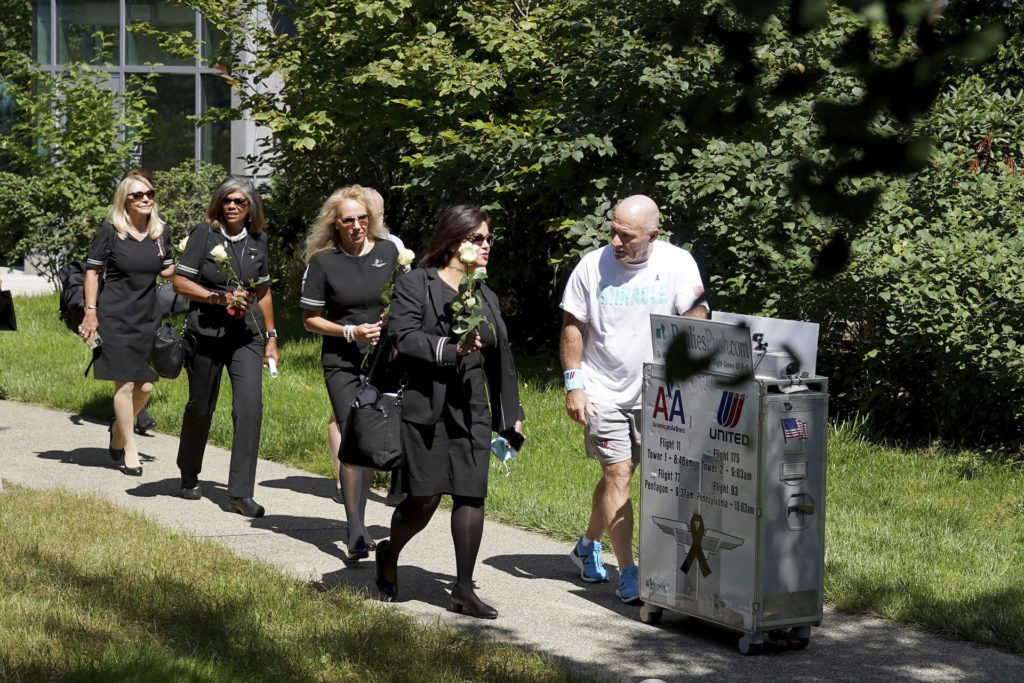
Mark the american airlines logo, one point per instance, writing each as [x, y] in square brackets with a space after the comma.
[730, 408]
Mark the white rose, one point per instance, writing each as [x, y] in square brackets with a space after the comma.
[480, 273]
[405, 257]
[219, 253]
[468, 253]
[182, 243]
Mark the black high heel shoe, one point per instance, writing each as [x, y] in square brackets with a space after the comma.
[115, 453]
[388, 589]
[132, 471]
[469, 603]
[358, 550]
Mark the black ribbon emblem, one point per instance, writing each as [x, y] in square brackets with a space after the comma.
[696, 551]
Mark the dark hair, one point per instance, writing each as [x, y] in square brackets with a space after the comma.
[215, 212]
[453, 227]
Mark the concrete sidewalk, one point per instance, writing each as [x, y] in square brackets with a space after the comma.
[543, 605]
[21, 283]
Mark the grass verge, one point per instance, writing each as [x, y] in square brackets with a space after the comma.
[92, 593]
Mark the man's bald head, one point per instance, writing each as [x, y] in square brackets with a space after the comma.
[634, 228]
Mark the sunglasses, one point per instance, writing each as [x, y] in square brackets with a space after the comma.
[349, 221]
[240, 201]
[479, 238]
[137, 196]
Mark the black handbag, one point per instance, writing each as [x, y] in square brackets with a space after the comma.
[167, 355]
[373, 431]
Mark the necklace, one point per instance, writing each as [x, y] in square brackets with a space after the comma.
[367, 246]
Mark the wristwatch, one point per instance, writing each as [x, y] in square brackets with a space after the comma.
[271, 334]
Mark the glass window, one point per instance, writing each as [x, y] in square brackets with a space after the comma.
[163, 16]
[88, 31]
[172, 133]
[216, 137]
[212, 38]
[41, 31]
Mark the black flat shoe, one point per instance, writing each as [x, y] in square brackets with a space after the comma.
[467, 602]
[246, 507]
[388, 589]
[190, 489]
[132, 471]
[359, 550]
[115, 453]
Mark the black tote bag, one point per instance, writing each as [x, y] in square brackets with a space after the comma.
[167, 355]
[373, 431]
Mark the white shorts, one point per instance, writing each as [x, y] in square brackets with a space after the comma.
[612, 434]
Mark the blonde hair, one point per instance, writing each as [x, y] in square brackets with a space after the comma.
[118, 215]
[324, 234]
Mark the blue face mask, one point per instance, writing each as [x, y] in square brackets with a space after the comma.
[502, 452]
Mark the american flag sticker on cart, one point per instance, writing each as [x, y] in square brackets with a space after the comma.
[794, 428]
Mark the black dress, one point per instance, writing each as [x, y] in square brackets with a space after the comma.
[346, 290]
[447, 421]
[127, 306]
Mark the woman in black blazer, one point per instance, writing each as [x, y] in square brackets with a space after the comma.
[447, 421]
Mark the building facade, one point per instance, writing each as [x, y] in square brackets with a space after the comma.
[65, 31]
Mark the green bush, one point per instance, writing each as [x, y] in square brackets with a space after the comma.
[933, 314]
[71, 140]
[184, 193]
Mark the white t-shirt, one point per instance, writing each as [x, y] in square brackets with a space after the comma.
[615, 300]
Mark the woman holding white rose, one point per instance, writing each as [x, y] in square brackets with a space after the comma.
[224, 272]
[349, 263]
[450, 342]
[130, 250]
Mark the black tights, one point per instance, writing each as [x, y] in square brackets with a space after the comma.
[413, 514]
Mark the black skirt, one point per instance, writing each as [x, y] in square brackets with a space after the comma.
[452, 455]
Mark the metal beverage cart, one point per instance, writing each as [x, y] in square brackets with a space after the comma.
[732, 494]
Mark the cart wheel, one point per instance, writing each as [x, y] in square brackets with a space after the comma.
[751, 645]
[649, 614]
[799, 637]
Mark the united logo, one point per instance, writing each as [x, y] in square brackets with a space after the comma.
[730, 408]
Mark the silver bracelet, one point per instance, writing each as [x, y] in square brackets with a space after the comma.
[349, 332]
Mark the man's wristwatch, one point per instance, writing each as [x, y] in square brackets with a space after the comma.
[271, 334]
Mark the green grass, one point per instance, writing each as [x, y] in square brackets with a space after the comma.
[921, 536]
[92, 593]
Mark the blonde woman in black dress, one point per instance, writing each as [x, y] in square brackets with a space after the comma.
[349, 261]
[130, 247]
[447, 419]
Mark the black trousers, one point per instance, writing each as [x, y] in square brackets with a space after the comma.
[243, 358]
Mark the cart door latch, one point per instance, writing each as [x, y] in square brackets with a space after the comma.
[799, 511]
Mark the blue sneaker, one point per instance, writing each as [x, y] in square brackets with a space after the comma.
[588, 559]
[629, 586]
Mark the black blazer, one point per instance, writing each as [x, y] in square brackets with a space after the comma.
[422, 334]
